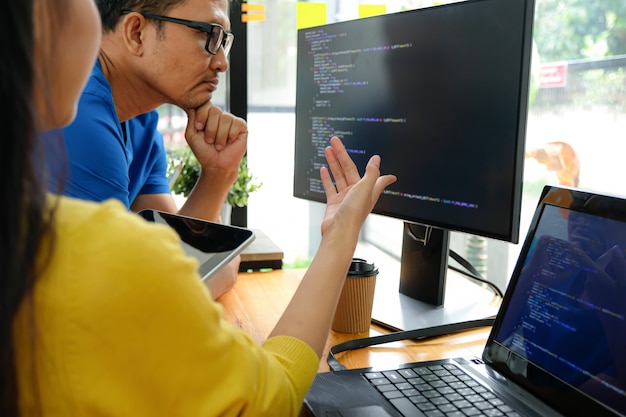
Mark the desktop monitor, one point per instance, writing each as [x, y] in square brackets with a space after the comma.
[441, 93]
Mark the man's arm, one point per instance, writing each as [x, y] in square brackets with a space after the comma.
[149, 189]
[160, 202]
[218, 140]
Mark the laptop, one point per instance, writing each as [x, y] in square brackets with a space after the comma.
[212, 244]
[558, 343]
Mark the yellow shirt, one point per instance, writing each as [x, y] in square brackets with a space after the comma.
[124, 327]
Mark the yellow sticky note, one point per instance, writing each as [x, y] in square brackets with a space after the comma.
[367, 10]
[310, 14]
[247, 7]
[252, 17]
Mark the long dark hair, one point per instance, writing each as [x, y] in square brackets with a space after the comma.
[25, 221]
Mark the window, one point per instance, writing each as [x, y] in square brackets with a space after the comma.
[574, 136]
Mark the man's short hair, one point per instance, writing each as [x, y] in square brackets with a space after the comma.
[111, 10]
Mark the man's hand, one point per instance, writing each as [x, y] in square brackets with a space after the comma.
[217, 139]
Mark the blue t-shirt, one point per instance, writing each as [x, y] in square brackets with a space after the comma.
[103, 163]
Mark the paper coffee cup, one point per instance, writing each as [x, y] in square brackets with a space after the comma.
[354, 310]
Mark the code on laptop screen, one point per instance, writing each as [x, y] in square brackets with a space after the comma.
[567, 314]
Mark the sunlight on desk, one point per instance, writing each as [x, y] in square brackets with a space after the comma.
[259, 298]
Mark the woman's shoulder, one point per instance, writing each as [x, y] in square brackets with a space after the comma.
[86, 228]
[78, 216]
[103, 243]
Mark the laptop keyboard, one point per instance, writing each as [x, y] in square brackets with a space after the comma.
[437, 391]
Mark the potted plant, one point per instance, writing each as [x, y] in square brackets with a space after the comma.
[239, 193]
[183, 170]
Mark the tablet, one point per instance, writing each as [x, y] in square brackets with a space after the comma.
[212, 244]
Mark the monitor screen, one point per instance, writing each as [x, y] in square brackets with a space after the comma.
[441, 93]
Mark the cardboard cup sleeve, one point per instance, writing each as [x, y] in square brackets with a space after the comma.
[354, 310]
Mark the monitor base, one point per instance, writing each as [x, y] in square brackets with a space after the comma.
[464, 301]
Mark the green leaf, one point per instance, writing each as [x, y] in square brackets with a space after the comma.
[241, 189]
[184, 160]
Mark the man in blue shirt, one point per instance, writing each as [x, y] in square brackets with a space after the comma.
[101, 150]
[145, 60]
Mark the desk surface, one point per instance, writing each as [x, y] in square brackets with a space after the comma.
[259, 298]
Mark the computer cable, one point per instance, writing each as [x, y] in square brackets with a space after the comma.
[415, 334]
[472, 273]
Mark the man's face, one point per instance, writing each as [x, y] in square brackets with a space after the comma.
[179, 66]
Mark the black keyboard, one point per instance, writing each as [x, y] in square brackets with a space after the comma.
[437, 391]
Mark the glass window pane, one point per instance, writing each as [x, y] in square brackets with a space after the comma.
[575, 124]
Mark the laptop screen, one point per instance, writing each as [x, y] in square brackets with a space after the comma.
[563, 327]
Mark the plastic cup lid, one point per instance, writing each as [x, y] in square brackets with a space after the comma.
[361, 268]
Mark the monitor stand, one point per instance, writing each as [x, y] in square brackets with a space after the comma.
[464, 301]
[425, 292]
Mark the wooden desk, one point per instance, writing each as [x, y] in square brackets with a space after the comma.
[258, 299]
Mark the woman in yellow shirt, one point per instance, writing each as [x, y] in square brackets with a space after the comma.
[102, 314]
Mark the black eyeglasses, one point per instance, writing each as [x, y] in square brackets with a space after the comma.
[216, 35]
